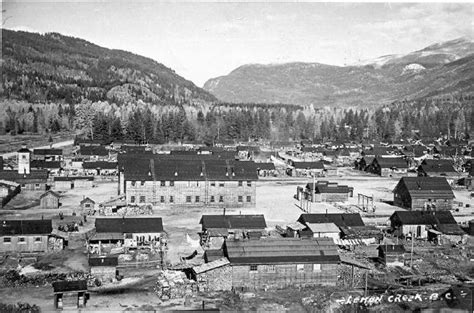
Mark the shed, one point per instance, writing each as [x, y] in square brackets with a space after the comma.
[70, 294]
[104, 268]
[87, 204]
[392, 255]
[329, 230]
[49, 200]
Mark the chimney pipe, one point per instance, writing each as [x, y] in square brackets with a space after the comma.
[224, 211]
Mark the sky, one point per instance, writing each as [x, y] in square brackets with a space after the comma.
[202, 40]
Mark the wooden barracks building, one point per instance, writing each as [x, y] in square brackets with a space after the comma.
[194, 181]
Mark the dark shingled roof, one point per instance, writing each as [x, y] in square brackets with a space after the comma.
[69, 285]
[50, 192]
[391, 162]
[71, 178]
[93, 150]
[149, 169]
[45, 164]
[25, 227]
[129, 225]
[281, 250]
[233, 221]
[24, 150]
[104, 165]
[340, 219]
[48, 152]
[265, 166]
[103, 261]
[426, 187]
[318, 165]
[35, 175]
[437, 166]
[423, 217]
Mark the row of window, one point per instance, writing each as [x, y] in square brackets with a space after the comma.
[171, 183]
[212, 199]
[20, 239]
[299, 268]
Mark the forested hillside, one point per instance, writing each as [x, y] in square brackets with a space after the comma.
[52, 83]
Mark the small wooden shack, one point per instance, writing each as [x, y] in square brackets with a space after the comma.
[49, 200]
[392, 255]
[70, 294]
[104, 268]
[87, 204]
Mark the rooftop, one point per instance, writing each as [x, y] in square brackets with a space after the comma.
[129, 225]
[233, 221]
[25, 227]
[340, 219]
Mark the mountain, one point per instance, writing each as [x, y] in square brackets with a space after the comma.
[57, 68]
[435, 70]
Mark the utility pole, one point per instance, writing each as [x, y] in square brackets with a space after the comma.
[411, 254]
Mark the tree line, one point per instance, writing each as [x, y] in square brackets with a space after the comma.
[143, 122]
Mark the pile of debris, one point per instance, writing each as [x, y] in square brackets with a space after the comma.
[174, 284]
[12, 278]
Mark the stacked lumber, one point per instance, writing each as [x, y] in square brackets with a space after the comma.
[174, 284]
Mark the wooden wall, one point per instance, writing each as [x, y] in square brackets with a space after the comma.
[29, 245]
[282, 275]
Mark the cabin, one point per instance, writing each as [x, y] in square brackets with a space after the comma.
[437, 168]
[25, 236]
[100, 168]
[216, 228]
[315, 168]
[418, 223]
[279, 263]
[339, 219]
[392, 255]
[48, 155]
[126, 232]
[70, 294]
[87, 204]
[93, 153]
[265, 169]
[201, 180]
[8, 190]
[73, 182]
[423, 193]
[33, 180]
[388, 166]
[325, 191]
[53, 167]
[362, 164]
[111, 206]
[104, 268]
[324, 230]
[49, 200]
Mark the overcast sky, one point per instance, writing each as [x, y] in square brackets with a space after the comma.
[204, 40]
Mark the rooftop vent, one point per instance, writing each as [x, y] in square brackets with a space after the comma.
[175, 173]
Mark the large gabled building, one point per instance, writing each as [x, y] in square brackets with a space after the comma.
[423, 193]
[198, 180]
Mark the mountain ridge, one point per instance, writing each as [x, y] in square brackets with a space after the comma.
[383, 80]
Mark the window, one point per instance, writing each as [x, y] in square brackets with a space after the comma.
[249, 183]
[171, 199]
[87, 205]
[188, 198]
[240, 199]
[253, 268]
[162, 199]
[23, 185]
[213, 184]
[132, 199]
[240, 183]
[23, 157]
[300, 267]
[37, 185]
[316, 267]
[37, 239]
[142, 183]
[212, 199]
[197, 199]
[7, 240]
[163, 183]
[21, 240]
[221, 184]
[270, 268]
[142, 199]
[133, 183]
[249, 199]
[197, 183]
[171, 182]
[221, 198]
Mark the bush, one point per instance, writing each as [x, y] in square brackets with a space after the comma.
[19, 308]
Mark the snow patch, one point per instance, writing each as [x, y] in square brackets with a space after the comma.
[413, 68]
